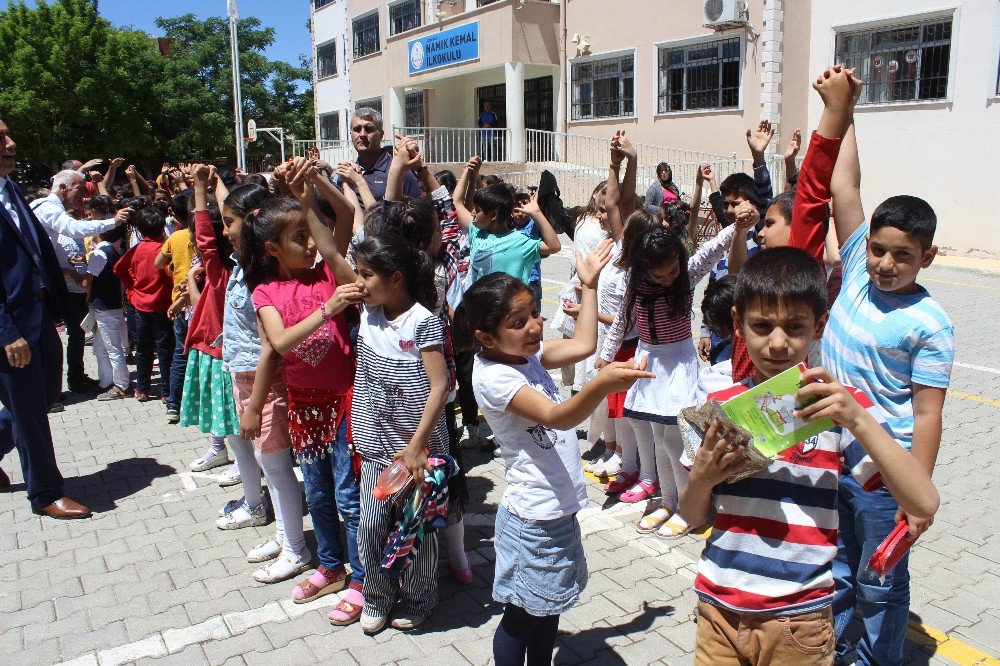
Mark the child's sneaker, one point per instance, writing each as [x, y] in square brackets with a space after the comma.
[640, 491]
[173, 415]
[613, 465]
[406, 621]
[113, 393]
[470, 437]
[231, 477]
[287, 565]
[263, 552]
[210, 460]
[243, 517]
[372, 624]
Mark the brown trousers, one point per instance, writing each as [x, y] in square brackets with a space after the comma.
[726, 638]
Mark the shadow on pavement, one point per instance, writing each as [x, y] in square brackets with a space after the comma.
[591, 645]
[101, 491]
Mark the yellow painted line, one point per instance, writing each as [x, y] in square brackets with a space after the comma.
[950, 648]
[974, 398]
[960, 284]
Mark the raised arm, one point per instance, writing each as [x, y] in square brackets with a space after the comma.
[845, 185]
[342, 207]
[708, 255]
[355, 181]
[791, 152]
[405, 158]
[463, 191]
[204, 233]
[627, 203]
[112, 173]
[300, 177]
[746, 218]
[560, 353]
[550, 240]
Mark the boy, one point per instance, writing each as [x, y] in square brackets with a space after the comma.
[104, 293]
[765, 583]
[891, 339]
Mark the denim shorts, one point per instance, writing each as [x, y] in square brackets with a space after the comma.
[540, 564]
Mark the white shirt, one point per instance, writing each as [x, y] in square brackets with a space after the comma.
[544, 473]
[51, 212]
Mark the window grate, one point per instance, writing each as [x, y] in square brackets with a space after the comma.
[404, 16]
[371, 103]
[899, 63]
[699, 76]
[415, 108]
[604, 88]
[365, 32]
[329, 126]
[326, 60]
[320, 4]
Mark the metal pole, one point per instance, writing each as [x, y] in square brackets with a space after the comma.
[234, 18]
[281, 133]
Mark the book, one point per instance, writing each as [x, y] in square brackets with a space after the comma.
[765, 411]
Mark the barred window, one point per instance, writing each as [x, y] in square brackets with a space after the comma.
[329, 126]
[899, 63]
[699, 76]
[320, 4]
[371, 102]
[326, 60]
[604, 88]
[404, 16]
[415, 108]
[365, 32]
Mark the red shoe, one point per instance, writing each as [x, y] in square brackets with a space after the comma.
[640, 491]
[622, 483]
[141, 397]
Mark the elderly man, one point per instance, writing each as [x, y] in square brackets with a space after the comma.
[30, 280]
[66, 232]
[373, 161]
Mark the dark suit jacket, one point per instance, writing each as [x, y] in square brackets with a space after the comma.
[23, 272]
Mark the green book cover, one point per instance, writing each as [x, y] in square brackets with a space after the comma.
[766, 411]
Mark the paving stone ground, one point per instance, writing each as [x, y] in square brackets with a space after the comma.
[149, 579]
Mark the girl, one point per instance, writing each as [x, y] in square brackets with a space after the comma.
[540, 566]
[261, 401]
[301, 306]
[658, 298]
[207, 399]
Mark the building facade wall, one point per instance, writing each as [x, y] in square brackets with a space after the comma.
[332, 94]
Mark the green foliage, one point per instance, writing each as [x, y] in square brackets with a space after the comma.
[73, 85]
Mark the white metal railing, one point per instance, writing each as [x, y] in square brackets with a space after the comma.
[332, 152]
[458, 144]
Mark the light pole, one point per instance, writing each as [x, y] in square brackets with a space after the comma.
[234, 18]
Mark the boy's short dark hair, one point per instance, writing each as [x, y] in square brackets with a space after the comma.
[911, 215]
[150, 223]
[781, 275]
[179, 208]
[717, 305]
[496, 197]
[785, 203]
[737, 184]
[101, 205]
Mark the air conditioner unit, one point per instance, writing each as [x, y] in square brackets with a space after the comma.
[720, 14]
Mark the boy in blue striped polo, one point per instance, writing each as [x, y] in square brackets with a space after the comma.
[888, 337]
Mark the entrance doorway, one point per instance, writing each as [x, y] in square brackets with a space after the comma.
[538, 112]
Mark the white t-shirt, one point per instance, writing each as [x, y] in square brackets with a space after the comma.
[543, 469]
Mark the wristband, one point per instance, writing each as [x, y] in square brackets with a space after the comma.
[322, 313]
[615, 165]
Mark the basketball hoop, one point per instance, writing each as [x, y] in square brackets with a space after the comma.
[251, 130]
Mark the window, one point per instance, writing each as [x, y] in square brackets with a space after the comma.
[699, 76]
[481, 3]
[604, 88]
[365, 32]
[371, 102]
[320, 4]
[404, 16]
[899, 63]
[329, 126]
[326, 60]
[415, 108]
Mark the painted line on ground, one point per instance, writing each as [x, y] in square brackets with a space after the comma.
[974, 398]
[960, 284]
[980, 368]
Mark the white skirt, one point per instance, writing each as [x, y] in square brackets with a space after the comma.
[675, 365]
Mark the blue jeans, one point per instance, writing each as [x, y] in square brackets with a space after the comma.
[866, 519]
[179, 364]
[155, 333]
[331, 486]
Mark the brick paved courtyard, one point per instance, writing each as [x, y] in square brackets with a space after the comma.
[150, 579]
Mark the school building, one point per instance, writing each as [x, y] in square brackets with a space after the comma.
[685, 80]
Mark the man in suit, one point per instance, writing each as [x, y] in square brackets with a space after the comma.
[31, 362]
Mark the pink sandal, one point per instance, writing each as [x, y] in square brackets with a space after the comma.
[639, 492]
[320, 584]
[621, 484]
[349, 609]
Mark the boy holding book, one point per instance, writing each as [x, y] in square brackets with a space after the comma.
[765, 582]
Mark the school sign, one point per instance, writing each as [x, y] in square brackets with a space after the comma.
[444, 49]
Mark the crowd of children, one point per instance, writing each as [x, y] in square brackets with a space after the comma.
[302, 322]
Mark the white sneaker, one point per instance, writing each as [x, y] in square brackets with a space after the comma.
[613, 465]
[243, 517]
[263, 552]
[287, 565]
[231, 477]
[407, 621]
[210, 460]
[372, 624]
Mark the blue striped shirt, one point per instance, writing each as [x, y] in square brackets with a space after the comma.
[884, 343]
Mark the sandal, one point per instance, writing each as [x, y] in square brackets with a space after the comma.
[653, 521]
[622, 483]
[673, 528]
[313, 587]
[348, 611]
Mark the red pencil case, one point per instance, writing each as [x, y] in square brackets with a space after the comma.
[890, 551]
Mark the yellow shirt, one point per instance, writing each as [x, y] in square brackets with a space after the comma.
[179, 249]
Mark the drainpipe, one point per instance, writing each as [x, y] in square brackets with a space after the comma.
[561, 99]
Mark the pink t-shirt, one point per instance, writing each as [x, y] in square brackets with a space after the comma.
[323, 360]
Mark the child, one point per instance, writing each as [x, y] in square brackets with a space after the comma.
[659, 297]
[148, 289]
[891, 339]
[764, 580]
[540, 565]
[301, 308]
[175, 258]
[104, 291]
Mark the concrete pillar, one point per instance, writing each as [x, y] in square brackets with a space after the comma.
[559, 113]
[514, 78]
[397, 110]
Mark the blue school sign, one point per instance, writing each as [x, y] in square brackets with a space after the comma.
[444, 49]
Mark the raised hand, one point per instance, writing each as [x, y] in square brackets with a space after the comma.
[793, 146]
[747, 215]
[116, 162]
[618, 155]
[130, 172]
[474, 163]
[759, 139]
[834, 86]
[531, 206]
[589, 269]
[408, 151]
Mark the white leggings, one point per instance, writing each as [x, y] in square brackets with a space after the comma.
[644, 443]
[673, 476]
[286, 498]
[249, 469]
[625, 438]
[600, 425]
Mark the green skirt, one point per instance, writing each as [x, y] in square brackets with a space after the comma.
[208, 401]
